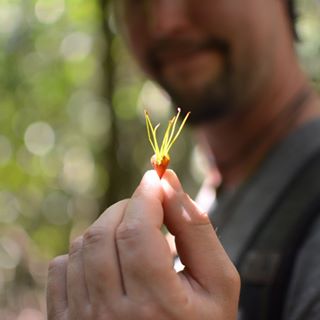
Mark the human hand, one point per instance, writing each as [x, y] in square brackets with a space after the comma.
[122, 268]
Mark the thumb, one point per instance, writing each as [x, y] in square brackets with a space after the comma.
[197, 243]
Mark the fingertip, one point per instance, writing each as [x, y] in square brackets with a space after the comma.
[150, 177]
[170, 181]
[170, 174]
[178, 203]
[149, 185]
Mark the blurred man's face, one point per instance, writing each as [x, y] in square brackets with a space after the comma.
[212, 56]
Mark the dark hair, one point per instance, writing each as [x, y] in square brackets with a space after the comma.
[293, 15]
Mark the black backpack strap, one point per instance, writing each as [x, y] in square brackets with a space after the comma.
[267, 263]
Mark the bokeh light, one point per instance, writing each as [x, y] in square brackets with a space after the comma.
[76, 46]
[10, 17]
[78, 170]
[49, 11]
[9, 207]
[39, 138]
[5, 150]
[72, 132]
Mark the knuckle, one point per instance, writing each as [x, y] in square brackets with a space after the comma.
[237, 281]
[56, 264]
[232, 279]
[149, 312]
[115, 311]
[75, 246]
[56, 314]
[100, 314]
[87, 312]
[83, 313]
[129, 230]
[93, 236]
[142, 311]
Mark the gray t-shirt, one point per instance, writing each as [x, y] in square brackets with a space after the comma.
[255, 198]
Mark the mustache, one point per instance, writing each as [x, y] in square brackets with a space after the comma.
[168, 48]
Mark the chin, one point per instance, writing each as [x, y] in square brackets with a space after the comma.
[203, 112]
[207, 106]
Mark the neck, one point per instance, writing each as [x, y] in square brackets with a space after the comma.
[239, 143]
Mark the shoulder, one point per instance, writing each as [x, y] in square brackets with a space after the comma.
[303, 298]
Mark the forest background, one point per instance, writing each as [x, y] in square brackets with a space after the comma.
[72, 132]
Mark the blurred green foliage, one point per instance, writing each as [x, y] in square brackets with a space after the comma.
[72, 135]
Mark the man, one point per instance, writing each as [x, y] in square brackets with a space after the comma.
[233, 65]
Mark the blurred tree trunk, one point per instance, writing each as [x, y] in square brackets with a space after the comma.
[108, 89]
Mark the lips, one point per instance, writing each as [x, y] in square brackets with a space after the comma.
[174, 54]
[177, 51]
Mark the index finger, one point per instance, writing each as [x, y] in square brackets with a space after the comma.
[144, 254]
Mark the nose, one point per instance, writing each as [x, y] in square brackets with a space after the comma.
[167, 17]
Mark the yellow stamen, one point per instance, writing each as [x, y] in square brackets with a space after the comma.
[169, 138]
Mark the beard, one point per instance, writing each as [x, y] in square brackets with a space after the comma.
[213, 102]
[216, 98]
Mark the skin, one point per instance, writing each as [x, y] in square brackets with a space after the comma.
[121, 268]
[170, 41]
[233, 95]
[232, 64]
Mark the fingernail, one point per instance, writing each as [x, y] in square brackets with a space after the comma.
[170, 180]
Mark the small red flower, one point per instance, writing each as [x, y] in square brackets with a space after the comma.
[160, 160]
